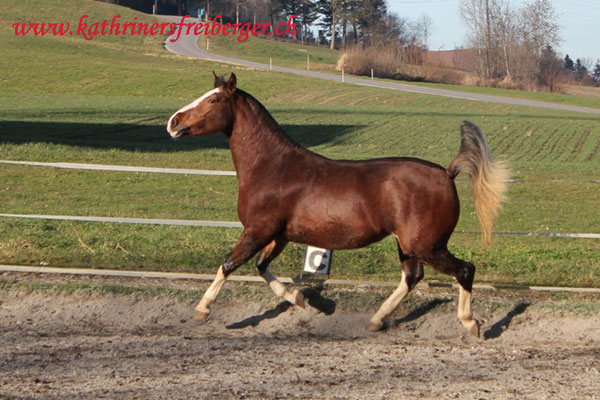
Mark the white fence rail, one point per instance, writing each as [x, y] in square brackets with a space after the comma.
[234, 224]
[217, 224]
[183, 171]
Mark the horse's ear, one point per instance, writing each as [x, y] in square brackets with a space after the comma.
[217, 79]
[231, 83]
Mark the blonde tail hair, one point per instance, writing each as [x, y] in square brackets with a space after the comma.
[488, 177]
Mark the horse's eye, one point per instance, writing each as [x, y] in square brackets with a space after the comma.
[212, 101]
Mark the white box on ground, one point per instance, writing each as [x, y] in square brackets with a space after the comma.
[317, 261]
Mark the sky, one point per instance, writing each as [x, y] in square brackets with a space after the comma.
[579, 21]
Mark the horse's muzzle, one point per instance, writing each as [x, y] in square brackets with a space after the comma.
[180, 133]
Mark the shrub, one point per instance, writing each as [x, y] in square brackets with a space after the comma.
[386, 63]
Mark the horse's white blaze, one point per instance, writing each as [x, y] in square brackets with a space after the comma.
[189, 107]
[392, 302]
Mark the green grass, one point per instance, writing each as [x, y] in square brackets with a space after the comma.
[284, 54]
[560, 98]
[258, 49]
[534, 207]
[107, 101]
[510, 260]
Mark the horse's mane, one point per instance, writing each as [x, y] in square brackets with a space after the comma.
[258, 108]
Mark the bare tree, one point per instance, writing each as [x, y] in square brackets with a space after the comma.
[505, 29]
[492, 33]
[476, 16]
[539, 26]
[508, 44]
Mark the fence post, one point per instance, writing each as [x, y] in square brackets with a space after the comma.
[343, 78]
[308, 62]
[270, 63]
[207, 43]
[371, 73]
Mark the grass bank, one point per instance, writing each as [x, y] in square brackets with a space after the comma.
[107, 101]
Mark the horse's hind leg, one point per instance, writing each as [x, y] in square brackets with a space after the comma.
[412, 273]
[246, 247]
[463, 272]
[268, 254]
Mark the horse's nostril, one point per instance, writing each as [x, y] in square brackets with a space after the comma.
[174, 122]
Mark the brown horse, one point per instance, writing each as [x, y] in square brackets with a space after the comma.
[288, 193]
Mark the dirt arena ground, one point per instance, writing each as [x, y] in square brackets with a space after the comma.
[63, 346]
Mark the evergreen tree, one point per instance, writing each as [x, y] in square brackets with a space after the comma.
[549, 69]
[568, 64]
[580, 70]
[596, 72]
[304, 10]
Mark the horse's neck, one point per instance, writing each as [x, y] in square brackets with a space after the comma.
[257, 141]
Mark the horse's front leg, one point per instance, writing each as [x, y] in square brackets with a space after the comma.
[246, 247]
[268, 254]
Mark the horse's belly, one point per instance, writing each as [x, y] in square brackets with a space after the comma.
[332, 234]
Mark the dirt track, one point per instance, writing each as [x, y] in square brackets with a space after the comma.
[59, 346]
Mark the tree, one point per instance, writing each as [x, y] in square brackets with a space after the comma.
[549, 69]
[539, 26]
[505, 29]
[474, 14]
[303, 9]
[371, 22]
[307, 14]
[581, 70]
[596, 72]
[273, 10]
[330, 10]
[492, 33]
[568, 64]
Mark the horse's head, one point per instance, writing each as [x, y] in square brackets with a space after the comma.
[210, 113]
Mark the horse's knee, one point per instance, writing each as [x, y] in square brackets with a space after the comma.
[229, 266]
[465, 275]
[412, 269]
[414, 275]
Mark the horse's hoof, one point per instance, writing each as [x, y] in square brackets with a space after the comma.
[199, 314]
[375, 326]
[298, 299]
[474, 329]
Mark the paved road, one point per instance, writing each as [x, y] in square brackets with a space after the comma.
[187, 45]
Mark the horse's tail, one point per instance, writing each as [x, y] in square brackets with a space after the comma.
[488, 177]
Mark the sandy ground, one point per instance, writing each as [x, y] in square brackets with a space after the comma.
[92, 346]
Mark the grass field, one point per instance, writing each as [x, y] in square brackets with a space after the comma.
[282, 53]
[107, 101]
[258, 49]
